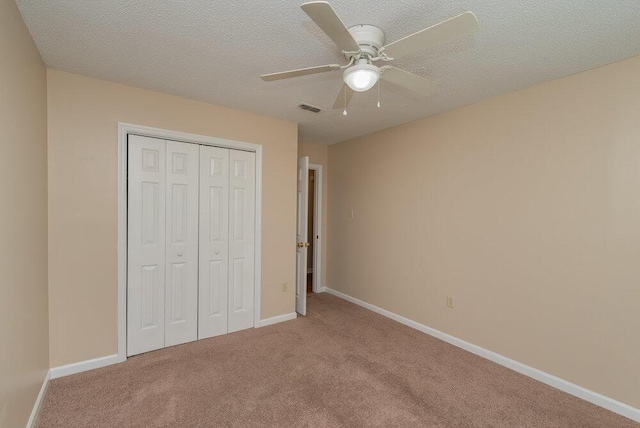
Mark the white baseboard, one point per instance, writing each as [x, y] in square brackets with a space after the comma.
[97, 363]
[36, 405]
[278, 318]
[322, 290]
[551, 380]
[83, 366]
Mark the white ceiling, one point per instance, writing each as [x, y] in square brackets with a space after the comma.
[215, 51]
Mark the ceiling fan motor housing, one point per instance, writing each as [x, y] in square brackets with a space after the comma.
[369, 37]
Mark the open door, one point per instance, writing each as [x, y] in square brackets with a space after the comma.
[301, 235]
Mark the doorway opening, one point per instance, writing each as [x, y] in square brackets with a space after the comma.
[308, 262]
[314, 255]
[310, 232]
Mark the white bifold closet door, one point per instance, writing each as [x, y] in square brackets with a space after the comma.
[146, 244]
[162, 286]
[191, 233]
[214, 241]
[181, 250]
[227, 235]
[242, 196]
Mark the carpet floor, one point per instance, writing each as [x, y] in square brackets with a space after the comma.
[342, 365]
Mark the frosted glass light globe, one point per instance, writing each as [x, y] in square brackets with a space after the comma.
[362, 76]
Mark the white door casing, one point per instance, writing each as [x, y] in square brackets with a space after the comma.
[181, 278]
[214, 241]
[146, 244]
[302, 243]
[242, 188]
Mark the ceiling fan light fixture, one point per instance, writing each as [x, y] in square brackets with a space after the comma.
[362, 76]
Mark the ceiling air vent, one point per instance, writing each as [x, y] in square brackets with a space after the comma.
[310, 108]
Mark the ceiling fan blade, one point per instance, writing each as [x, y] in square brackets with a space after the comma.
[299, 72]
[341, 102]
[324, 16]
[410, 81]
[451, 29]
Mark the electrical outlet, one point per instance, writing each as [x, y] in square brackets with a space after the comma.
[284, 287]
[450, 301]
[350, 213]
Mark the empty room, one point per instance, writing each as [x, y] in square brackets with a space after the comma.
[322, 214]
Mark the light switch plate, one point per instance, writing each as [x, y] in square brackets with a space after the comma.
[450, 301]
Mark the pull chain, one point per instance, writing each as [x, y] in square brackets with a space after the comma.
[378, 93]
[344, 113]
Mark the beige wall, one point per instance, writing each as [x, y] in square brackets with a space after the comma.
[318, 155]
[24, 349]
[83, 120]
[525, 208]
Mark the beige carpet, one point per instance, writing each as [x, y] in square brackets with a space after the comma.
[340, 366]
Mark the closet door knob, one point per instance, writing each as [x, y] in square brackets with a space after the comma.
[180, 254]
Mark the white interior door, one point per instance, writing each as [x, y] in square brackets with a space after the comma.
[242, 190]
[301, 235]
[214, 241]
[146, 244]
[181, 274]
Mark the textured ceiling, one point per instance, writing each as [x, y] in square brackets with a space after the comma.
[215, 51]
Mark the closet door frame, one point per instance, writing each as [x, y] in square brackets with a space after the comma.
[124, 130]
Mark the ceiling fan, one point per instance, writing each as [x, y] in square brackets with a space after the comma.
[362, 45]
